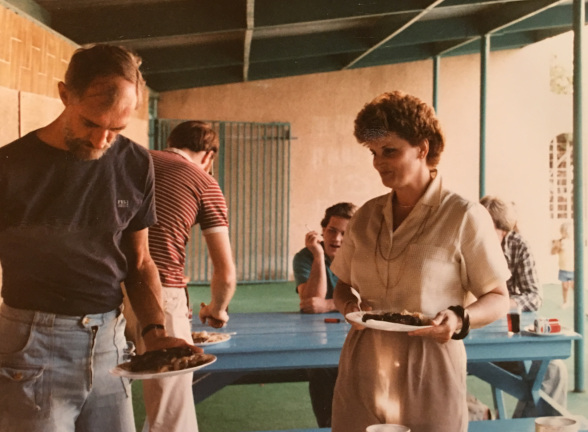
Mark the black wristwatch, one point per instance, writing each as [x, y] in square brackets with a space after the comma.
[150, 327]
[465, 322]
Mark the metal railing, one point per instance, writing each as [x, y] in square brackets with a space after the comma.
[253, 170]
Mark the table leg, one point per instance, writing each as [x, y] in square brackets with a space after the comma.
[499, 402]
[524, 387]
[206, 384]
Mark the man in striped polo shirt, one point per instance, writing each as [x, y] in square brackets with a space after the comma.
[186, 194]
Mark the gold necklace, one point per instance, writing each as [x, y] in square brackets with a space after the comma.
[414, 237]
[388, 258]
[396, 203]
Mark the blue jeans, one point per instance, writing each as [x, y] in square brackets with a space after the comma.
[54, 373]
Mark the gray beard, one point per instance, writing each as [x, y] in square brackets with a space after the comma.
[83, 150]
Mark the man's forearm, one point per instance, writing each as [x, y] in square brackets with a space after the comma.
[316, 284]
[222, 289]
[144, 291]
[224, 279]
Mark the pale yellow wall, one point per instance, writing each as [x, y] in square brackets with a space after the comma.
[328, 166]
[9, 115]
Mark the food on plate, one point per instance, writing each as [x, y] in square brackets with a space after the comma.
[209, 337]
[165, 360]
[404, 317]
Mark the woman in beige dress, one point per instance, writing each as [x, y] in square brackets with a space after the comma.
[424, 249]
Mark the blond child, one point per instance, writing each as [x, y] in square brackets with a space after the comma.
[564, 248]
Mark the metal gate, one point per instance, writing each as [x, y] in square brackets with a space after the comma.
[253, 170]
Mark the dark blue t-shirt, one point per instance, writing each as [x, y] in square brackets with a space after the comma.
[62, 220]
[302, 264]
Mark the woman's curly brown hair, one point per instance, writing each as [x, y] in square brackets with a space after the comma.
[407, 116]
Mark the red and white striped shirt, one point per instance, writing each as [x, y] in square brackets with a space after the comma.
[185, 195]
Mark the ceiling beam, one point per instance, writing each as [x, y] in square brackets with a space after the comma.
[115, 24]
[396, 32]
[557, 16]
[513, 14]
[284, 12]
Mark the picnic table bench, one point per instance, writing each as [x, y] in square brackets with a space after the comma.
[507, 425]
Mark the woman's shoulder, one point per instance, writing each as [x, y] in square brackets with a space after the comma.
[374, 204]
[458, 203]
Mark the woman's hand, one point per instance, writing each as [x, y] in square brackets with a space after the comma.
[346, 301]
[443, 326]
[353, 306]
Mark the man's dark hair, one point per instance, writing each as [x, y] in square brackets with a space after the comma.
[101, 60]
[343, 210]
[195, 136]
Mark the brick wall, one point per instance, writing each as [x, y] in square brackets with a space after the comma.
[32, 58]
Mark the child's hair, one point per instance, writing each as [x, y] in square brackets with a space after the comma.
[565, 229]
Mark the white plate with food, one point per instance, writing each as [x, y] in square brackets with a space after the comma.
[205, 338]
[530, 330]
[389, 321]
[163, 363]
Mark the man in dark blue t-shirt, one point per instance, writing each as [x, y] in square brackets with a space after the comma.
[314, 280]
[315, 284]
[76, 200]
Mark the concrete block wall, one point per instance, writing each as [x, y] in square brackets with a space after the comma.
[32, 58]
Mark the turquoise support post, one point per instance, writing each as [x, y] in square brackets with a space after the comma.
[436, 77]
[485, 57]
[579, 18]
[153, 125]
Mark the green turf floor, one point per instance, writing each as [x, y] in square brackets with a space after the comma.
[255, 407]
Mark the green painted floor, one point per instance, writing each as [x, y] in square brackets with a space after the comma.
[257, 407]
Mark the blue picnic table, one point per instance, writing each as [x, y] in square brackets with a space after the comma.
[269, 344]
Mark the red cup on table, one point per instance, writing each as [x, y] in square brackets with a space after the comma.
[514, 320]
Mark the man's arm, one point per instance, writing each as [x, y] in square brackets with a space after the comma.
[312, 293]
[144, 290]
[530, 298]
[222, 285]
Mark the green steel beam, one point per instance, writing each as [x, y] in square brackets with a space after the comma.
[394, 33]
[504, 15]
[279, 12]
[557, 16]
[124, 21]
[29, 7]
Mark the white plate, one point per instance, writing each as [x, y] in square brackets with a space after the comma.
[225, 338]
[531, 330]
[123, 372]
[355, 317]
